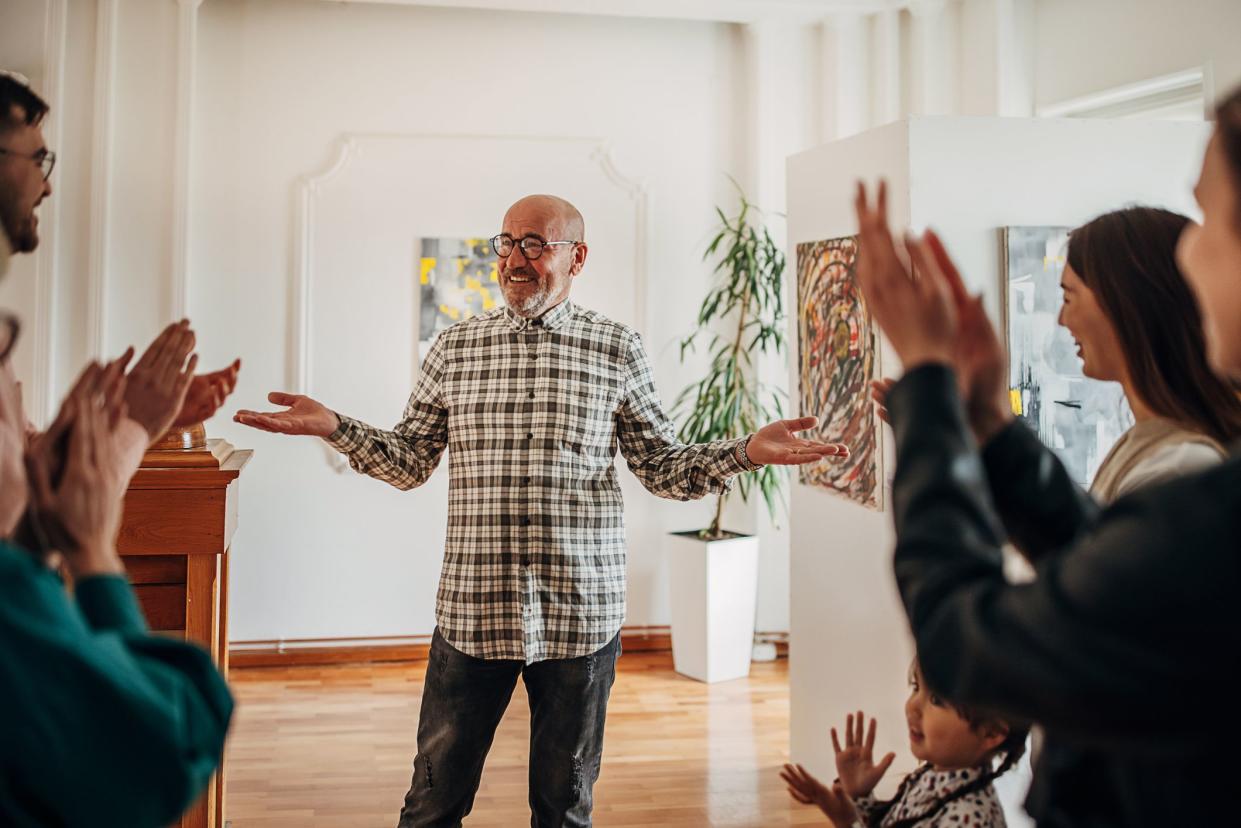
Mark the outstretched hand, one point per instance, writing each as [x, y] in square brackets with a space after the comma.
[855, 762]
[834, 802]
[777, 444]
[302, 416]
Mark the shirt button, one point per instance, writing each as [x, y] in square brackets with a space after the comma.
[525, 521]
[529, 435]
[526, 482]
[534, 356]
[530, 395]
[525, 560]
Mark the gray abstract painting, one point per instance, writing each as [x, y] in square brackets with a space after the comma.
[1079, 418]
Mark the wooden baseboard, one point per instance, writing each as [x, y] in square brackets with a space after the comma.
[322, 651]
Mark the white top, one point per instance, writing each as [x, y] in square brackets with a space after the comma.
[1168, 463]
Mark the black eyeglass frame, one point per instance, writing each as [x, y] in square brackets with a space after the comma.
[521, 243]
[44, 158]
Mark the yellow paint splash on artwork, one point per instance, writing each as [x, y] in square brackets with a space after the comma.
[428, 264]
[495, 272]
[1014, 399]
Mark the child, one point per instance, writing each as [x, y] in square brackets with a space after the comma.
[958, 748]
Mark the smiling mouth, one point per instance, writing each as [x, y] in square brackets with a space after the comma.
[915, 735]
[520, 280]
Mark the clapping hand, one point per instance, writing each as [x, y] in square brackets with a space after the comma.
[929, 316]
[777, 444]
[834, 802]
[158, 383]
[855, 762]
[76, 493]
[915, 310]
[207, 392]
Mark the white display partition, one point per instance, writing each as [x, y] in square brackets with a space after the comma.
[850, 646]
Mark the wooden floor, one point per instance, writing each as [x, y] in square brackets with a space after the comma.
[332, 747]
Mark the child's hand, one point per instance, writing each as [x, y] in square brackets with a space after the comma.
[833, 801]
[855, 762]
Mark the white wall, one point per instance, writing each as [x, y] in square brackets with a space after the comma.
[679, 102]
[968, 177]
[1088, 47]
[282, 82]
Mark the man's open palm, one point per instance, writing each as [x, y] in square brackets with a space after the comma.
[303, 416]
[777, 444]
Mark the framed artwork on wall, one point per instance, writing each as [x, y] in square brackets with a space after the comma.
[1077, 417]
[457, 279]
[838, 356]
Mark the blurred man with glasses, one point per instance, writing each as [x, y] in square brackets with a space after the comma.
[532, 402]
[101, 722]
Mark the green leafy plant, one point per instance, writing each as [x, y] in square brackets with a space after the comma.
[746, 301]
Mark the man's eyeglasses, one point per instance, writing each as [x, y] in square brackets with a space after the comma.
[10, 327]
[531, 246]
[46, 159]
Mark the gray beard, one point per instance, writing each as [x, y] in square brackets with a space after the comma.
[532, 304]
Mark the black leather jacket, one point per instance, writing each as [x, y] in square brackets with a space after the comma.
[1122, 646]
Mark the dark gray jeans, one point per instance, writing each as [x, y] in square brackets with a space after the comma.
[462, 703]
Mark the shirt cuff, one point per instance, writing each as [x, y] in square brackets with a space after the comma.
[108, 603]
[348, 435]
[729, 465]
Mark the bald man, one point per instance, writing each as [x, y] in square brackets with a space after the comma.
[532, 401]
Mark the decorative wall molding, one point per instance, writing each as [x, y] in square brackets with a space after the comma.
[183, 153]
[101, 175]
[47, 266]
[348, 147]
[722, 11]
[1189, 86]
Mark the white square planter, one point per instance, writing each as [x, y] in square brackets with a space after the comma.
[714, 590]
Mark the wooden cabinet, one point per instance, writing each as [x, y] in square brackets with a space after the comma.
[180, 515]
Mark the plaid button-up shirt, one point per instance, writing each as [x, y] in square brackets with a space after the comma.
[532, 413]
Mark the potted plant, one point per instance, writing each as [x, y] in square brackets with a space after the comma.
[714, 572]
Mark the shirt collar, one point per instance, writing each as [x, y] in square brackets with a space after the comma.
[551, 320]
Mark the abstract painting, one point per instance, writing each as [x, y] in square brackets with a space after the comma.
[1078, 418]
[838, 349]
[457, 279]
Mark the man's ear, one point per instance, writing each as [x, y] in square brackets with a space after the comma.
[579, 258]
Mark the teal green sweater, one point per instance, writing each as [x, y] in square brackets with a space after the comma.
[101, 723]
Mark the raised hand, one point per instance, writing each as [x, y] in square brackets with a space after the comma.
[777, 444]
[302, 416]
[855, 762]
[979, 357]
[915, 310]
[981, 361]
[161, 378]
[834, 802]
[207, 392]
[78, 512]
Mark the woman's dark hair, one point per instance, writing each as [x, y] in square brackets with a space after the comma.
[1228, 128]
[1009, 752]
[1128, 260]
